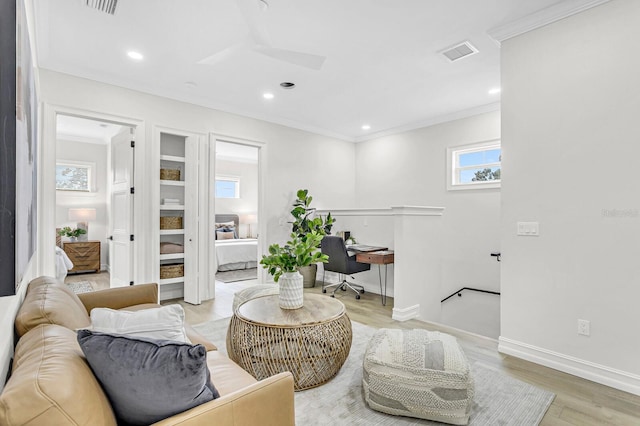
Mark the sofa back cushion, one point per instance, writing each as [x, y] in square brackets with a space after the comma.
[52, 384]
[49, 302]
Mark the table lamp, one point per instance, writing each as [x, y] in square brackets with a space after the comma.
[82, 217]
[248, 219]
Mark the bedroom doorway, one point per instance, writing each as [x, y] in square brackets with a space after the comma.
[84, 199]
[236, 197]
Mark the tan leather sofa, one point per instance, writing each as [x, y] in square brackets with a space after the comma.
[52, 384]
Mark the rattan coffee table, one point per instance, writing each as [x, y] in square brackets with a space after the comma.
[311, 342]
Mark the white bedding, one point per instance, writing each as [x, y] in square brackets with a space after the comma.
[232, 254]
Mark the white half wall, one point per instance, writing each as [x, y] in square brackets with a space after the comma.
[571, 143]
[410, 169]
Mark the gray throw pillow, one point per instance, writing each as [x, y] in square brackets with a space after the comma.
[148, 380]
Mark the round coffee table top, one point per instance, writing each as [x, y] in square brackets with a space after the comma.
[266, 311]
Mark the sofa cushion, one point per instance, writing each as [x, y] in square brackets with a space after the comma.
[194, 337]
[49, 302]
[148, 380]
[163, 322]
[52, 383]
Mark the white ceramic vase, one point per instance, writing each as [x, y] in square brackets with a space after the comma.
[291, 292]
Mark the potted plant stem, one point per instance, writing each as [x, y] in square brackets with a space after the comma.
[283, 262]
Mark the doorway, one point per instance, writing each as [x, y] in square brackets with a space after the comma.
[84, 195]
[77, 187]
[237, 182]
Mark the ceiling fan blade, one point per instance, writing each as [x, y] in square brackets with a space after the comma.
[252, 13]
[305, 60]
[221, 55]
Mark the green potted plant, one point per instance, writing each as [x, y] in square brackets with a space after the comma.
[284, 262]
[304, 222]
[72, 233]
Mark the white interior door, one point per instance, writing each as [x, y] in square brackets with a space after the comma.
[121, 209]
[191, 223]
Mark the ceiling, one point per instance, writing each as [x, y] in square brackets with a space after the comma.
[382, 68]
[85, 130]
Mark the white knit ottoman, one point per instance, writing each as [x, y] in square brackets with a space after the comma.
[418, 373]
[252, 292]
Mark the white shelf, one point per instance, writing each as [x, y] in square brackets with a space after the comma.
[172, 232]
[171, 281]
[171, 207]
[172, 256]
[172, 158]
[172, 182]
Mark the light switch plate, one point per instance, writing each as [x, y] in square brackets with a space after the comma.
[531, 229]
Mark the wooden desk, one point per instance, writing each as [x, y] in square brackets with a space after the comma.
[381, 257]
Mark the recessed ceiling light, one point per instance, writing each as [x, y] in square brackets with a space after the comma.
[366, 127]
[268, 95]
[136, 56]
[494, 91]
[287, 85]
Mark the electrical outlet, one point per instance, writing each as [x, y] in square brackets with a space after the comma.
[584, 327]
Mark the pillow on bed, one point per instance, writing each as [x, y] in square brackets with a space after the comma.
[225, 234]
[231, 224]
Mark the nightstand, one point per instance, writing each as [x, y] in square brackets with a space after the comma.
[85, 255]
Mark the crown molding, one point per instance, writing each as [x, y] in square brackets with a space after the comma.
[541, 18]
[470, 112]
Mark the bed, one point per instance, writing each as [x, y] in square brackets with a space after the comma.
[233, 253]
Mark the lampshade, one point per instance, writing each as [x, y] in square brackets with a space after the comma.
[248, 218]
[82, 215]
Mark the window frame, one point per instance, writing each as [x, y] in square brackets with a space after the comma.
[453, 154]
[91, 175]
[235, 179]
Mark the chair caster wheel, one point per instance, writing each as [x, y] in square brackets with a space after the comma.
[324, 290]
[362, 291]
[357, 296]
[333, 295]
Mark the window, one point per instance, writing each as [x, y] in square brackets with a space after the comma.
[474, 166]
[227, 187]
[72, 176]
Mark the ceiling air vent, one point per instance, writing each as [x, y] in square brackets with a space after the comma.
[107, 6]
[459, 51]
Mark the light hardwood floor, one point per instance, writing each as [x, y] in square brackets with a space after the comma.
[578, 401]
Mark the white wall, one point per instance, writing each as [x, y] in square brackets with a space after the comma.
[248, 201]
[97, 199]
[571, 143]
[410, 169]
[295, 159]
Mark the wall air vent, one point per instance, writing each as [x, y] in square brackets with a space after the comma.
[459, 51]
[106, 6]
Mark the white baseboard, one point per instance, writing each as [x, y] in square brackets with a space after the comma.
[406, 314]
[598, 373]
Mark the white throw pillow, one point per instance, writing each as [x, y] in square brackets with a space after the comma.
[164, 323]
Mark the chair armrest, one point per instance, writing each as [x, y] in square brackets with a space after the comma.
[268, 402]
[121, 297]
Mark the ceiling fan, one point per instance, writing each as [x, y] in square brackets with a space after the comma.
[259, 41]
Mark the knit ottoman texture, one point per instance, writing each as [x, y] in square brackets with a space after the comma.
[418, 373]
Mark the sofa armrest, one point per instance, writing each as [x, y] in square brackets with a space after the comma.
[268, 402]
[121, 297]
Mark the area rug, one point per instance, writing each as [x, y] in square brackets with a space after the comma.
[80, 287]
[238, 275]
[499, 399]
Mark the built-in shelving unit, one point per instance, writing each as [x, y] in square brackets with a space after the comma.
[173, 156]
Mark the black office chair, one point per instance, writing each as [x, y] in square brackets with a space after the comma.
[342, 263]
